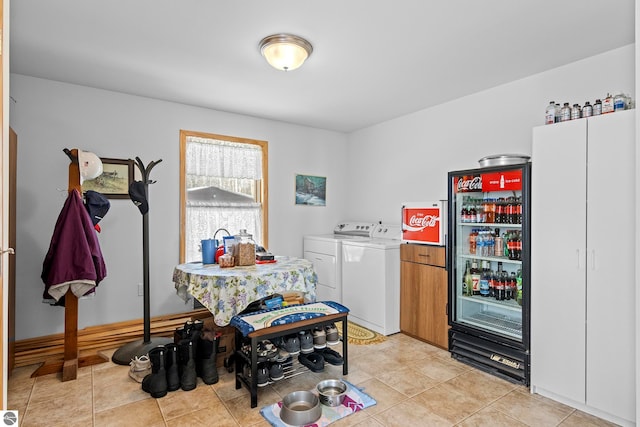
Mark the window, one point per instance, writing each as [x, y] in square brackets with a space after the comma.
[223, 184]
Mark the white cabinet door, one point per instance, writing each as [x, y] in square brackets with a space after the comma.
[558, 242]
[610, 264]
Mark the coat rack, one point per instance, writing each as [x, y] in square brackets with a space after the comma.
[72, 360]
[124, 354]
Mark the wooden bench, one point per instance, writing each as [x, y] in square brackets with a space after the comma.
[277, 331]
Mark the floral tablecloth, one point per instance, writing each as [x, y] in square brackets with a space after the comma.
[225, 292]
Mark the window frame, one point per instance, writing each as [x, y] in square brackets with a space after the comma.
[263, 195]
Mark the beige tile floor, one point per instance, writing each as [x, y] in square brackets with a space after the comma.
[414, 384]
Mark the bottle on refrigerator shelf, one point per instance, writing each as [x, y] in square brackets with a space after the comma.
[587, 110]
[519, 211]
[484, 283]
[473, 244]
[475, 278]
[467, 282]
[498, 246]
[499, 283]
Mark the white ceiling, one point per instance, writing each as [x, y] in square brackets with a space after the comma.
[373, 60]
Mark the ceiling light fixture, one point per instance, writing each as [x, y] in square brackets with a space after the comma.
[285, 52]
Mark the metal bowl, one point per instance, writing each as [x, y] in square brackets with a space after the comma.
[503, 160]
[332, 392]
[300, 408]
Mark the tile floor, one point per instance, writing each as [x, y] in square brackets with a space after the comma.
[414, 384]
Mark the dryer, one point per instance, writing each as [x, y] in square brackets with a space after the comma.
[371, 279]
[325, 252]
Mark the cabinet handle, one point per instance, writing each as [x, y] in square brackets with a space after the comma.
[427, 255]
[579, 259]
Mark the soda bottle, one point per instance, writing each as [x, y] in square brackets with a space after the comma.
[498, 244]
[475, 278]
[511, 289]
[484, 284]
[492, 243]
[492, 283]
[480, 248]
[472, 211]
[473, 241]
[519, 247]
[467, 282]
[519, 211]
[499, 288]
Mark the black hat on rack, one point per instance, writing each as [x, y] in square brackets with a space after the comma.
[97, 205]
[138, 194]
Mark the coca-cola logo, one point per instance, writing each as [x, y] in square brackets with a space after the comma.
[424, 222]
[473, 184]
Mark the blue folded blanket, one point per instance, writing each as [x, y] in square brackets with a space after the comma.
[250, 322]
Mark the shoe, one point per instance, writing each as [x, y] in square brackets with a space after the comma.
[292, 345]
[313, 361]
[156, 382]
[140, 367]
[306, 342]
[331, 356]
[187, 365]
[276, 371]
[319, 338]
[266, 350]
[206, 359]
[263, 375]
[332, 334]
[171, 366]
[281, 356]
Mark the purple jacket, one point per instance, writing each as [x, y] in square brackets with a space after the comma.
[74, 260]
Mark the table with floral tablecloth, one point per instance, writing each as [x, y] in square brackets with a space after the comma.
[225, 292]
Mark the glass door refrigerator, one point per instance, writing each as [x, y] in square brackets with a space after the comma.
[489, 210]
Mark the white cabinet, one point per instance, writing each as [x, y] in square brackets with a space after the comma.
[582, 260]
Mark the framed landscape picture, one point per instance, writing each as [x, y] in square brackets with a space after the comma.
[114, 182]
[311, 190]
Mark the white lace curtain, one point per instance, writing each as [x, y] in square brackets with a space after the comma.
[207, 161]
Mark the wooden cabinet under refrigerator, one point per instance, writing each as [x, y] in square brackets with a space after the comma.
[423, 293]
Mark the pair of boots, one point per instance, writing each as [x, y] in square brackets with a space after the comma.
[178, 365]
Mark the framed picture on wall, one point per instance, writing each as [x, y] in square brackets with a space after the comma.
[311, 190]
[114, 182]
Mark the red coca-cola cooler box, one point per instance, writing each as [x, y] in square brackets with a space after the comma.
[424, 222]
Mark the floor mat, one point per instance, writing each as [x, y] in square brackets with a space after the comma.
[355, 400]
[359, 335]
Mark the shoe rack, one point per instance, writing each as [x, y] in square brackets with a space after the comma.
[255, 337]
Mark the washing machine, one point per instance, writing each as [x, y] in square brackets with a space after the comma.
[371, 279]
[325, 252]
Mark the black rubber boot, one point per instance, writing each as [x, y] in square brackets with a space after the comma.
[206, 359]
[187, 365]
[156, 382]
[171, 366]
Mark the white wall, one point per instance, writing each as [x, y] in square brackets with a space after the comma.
[49, 116]
[369, 172]
[407, 159]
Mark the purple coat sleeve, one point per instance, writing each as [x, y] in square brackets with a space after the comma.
[74, 253]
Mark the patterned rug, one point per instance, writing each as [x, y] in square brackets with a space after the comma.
[360, 335]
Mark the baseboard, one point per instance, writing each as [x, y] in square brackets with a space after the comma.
[94, 339]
